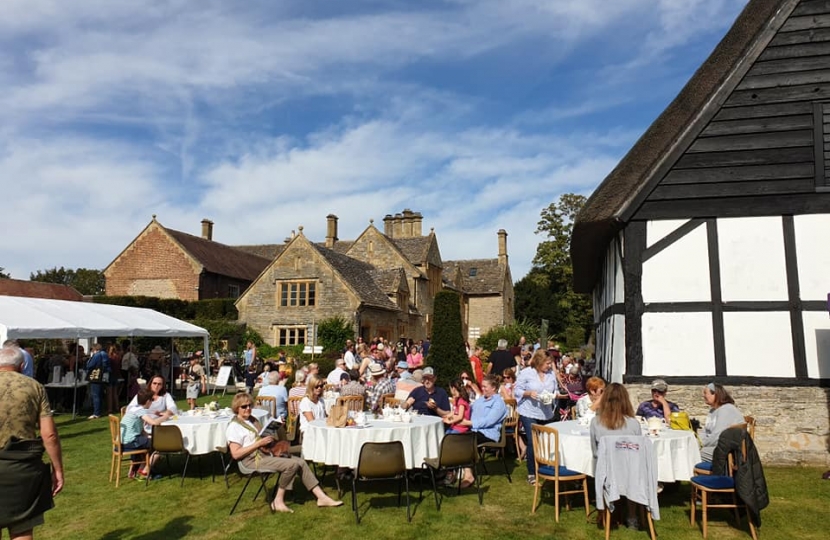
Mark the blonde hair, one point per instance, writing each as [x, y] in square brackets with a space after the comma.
[313, 381]
[241, 398]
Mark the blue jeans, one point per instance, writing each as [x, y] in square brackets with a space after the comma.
[97, 391]
[526, 423]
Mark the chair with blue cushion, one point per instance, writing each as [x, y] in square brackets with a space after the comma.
[546, 453]
[511, 423]
[705, 467]
[723, 487]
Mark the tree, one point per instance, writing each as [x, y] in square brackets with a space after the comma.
[83, 280]
[333, 332]
[547, 290]
[447, 354]
[3, 274]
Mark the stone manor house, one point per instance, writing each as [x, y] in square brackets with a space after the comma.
[384, 283]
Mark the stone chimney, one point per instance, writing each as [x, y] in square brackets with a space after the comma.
[331, 230]
[397, 226]
[207, 229]
[502, 247]
[406, 223]
[388, 222]
[417, 218]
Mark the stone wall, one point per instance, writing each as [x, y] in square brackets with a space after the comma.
[792, 424]
[153, 266]
[484, 313]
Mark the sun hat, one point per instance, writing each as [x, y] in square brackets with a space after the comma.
[402, 365]
[376, 369]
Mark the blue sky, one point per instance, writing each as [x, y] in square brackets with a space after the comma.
[268, 115]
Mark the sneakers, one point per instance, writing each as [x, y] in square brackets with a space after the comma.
[93, 417]
[531, 479]
[633, 524]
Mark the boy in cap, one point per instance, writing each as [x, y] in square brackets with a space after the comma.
[658, 406]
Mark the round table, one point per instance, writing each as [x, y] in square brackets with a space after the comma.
[204, 434]
[677, 451]
[421, 438]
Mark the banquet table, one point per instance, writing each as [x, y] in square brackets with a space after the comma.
[677, 451]
[204, 434]
[421, 438]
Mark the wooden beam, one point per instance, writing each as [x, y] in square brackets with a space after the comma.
[794, 293]
[758, 125]
[741, 380]
[634, 246]
[751, 206]
[754, 141]
[719, 342]
[671, 238]
[744, 173]
[800, 154]
[818, 144]
[733, 189]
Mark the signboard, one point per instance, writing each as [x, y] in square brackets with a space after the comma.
[312, 350]
[223, 376]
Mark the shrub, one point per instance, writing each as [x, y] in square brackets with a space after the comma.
[447, 353]
[333, 332]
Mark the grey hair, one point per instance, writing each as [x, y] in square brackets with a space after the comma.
[10, 343]
[299, 377]
[11, 356]
[502, 344]
[273, 377]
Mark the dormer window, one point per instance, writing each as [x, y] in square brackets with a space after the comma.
[473, 272]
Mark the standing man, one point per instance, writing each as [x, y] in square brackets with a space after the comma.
[348, 356]
[501, 359]
[28, 362]
[24, 410]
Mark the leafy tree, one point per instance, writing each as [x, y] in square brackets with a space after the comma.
[447, 354]
[83, 280]
[547, 290]
[333, 332]
[3, 274]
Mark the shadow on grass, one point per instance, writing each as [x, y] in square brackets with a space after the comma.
[176, 528]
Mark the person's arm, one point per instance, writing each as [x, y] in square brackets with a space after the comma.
[239, 452]
[52, 443]
[494, 416]
[156, 420]
[522, 389]
[170, 404]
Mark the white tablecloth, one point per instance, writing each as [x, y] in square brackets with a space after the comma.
[677, 451]
[203, 434]
[341, 446]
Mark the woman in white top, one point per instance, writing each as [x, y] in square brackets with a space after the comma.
[587, 405]
[312, 407]
[162, 400]
[247, 447]
[722, 414]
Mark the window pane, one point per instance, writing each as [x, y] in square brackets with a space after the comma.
[302, 294]
[283, 294]
[293, 294]
[311, 294]
[301, 336]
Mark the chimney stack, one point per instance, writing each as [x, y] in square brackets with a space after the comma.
[397, 226]
[388, 221]
[207, 229]
[331, 230]
[417, 218]
[502, 247]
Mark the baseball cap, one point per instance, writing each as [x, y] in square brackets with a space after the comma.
[659, 385]
[429, 372]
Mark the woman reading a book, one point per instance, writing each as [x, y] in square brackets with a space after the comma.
[250, 445]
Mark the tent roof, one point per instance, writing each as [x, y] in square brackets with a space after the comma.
[41, 318]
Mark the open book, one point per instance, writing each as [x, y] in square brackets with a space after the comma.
[272, 428]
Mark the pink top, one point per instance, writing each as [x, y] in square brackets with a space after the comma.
[415, 360]
[460, 401]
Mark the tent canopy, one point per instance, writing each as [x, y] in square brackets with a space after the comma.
[37, 318]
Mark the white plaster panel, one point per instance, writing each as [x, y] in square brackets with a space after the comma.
[758, 344]
[678, 344]
[817, 344]
[659, 229]
[679, 273]
[812, 240]
[752, 259]
[617, 348]
[618, 270]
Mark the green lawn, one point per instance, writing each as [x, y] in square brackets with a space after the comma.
[90, 507]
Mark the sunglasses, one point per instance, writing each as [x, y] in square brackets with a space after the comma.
[320, 386]
[246, 407]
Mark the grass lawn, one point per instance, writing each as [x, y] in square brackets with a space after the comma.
[91, 508]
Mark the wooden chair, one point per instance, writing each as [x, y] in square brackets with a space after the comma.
[500, 447]
[294, 405]
[704, 486]
[750, 426]
[705, 467]
[511, 423]
[119, 454]
[458, 450]
[352, 403]
[123, 411]
[268, 403]
[547, 467]
[330, 387]
[293, 421]
[381, 461]
[389, 399]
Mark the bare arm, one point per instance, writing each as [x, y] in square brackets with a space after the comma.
[49, 434]
[238, 451]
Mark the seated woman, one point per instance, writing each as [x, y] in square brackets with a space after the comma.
[414, 359]
[133, 424]
[162, 400]
[658, 406]
[312, 407]
[460, 408]
[615, 416]
[722, 414]
[486, 417]
[247, 447]
[587, 405]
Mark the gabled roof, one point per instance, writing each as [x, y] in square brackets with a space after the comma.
[390, 281]
[415, 249]
[615, 200]
[219, 258]
[37, 289]
[266, 251]
[358, 275]
[488, 275]
[371, 229]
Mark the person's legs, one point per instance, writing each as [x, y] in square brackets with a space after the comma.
[531, 464]
[24, 535]
[24, 530]
[97, 396]
[312, 484]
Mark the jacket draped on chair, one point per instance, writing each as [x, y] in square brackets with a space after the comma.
[750, 483]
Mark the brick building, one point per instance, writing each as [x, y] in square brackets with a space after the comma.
[166, 263]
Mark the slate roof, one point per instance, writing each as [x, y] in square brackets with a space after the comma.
[610, 206]
[220, 258]
[267, 251]
[415, 249]
[37, 289]
[488, 278]
[359, 276]
[389, 281]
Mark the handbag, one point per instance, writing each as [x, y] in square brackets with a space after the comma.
[680, 420]
[96, 375]
[338, 416]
